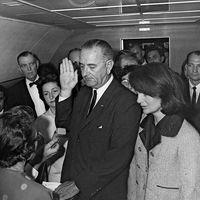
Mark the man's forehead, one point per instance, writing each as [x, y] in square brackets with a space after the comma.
[25, 58]
[90, 52]
[194, 58]
[153, 52]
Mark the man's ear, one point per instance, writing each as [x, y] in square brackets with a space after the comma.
[186, 70]
[37, 63]
[109, 66]
[19, 69]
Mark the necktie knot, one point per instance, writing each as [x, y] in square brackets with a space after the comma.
[93, 101]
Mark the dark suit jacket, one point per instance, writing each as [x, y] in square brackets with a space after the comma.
[101, 145]
[193, 113]
[18, 95]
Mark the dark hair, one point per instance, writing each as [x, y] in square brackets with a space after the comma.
[16, 135]
[196, 52]
[51, 77]
[154, 48]
[158, 80]
[105, 47]
[129, 68]
[135, 44]
[27, 53]
[117, 70]
[47, 68]
[72, 50]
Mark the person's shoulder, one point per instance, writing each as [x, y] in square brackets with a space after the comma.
[37, 189]
[123, 92]
[188, 134]
[17, 85]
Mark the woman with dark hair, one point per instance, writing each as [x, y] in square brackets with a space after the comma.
[18, 142]
[122, 59]
[166, 164]
[49, 89]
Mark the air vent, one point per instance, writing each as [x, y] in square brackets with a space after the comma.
[145, 6]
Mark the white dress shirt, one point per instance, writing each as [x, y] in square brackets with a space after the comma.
[102, 89]
[191, 90]
[34, 93]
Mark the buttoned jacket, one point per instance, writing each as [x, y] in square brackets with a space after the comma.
[170, 171]
[100, 145]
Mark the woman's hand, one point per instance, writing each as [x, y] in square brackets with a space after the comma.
[50, 149]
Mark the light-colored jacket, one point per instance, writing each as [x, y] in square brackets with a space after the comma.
[173, 172]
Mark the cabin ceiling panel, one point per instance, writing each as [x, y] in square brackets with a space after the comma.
[76, 14]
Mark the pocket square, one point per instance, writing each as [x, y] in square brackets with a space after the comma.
[100, 126]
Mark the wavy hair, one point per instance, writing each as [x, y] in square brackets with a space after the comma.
[16, 136]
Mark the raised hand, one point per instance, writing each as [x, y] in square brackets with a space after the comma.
[68, 77]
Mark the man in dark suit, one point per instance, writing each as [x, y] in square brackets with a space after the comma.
[102, 133]
[25, 92]
[191, 71]
[192, 74]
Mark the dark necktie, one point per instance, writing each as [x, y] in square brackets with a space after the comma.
[94, 97]
[32, 83]
[194, 96]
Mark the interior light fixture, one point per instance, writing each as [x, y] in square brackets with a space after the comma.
[144, 29]
[144, 22]
[12, 3]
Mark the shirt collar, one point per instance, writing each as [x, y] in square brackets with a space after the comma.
[28, 81]
[103, 88]
[191, 85]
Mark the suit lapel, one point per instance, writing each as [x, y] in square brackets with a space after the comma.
[101, 104]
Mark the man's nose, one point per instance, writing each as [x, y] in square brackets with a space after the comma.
[84, 71]
[29, 67]
[195, 68]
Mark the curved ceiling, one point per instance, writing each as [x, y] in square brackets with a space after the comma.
[78, 14]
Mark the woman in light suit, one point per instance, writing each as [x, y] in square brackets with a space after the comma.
[166, 164]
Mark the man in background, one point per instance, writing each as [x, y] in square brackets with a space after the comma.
[139, 53]
[191, 71]
[74, 55]
[25, 92]
[154, 54]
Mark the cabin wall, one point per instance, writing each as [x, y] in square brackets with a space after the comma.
[17, 36]
[183, 39]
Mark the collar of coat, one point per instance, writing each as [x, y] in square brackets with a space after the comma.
[168, 126]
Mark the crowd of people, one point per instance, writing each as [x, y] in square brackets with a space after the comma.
[102, 126]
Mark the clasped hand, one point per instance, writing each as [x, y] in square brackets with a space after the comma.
[67, 190]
